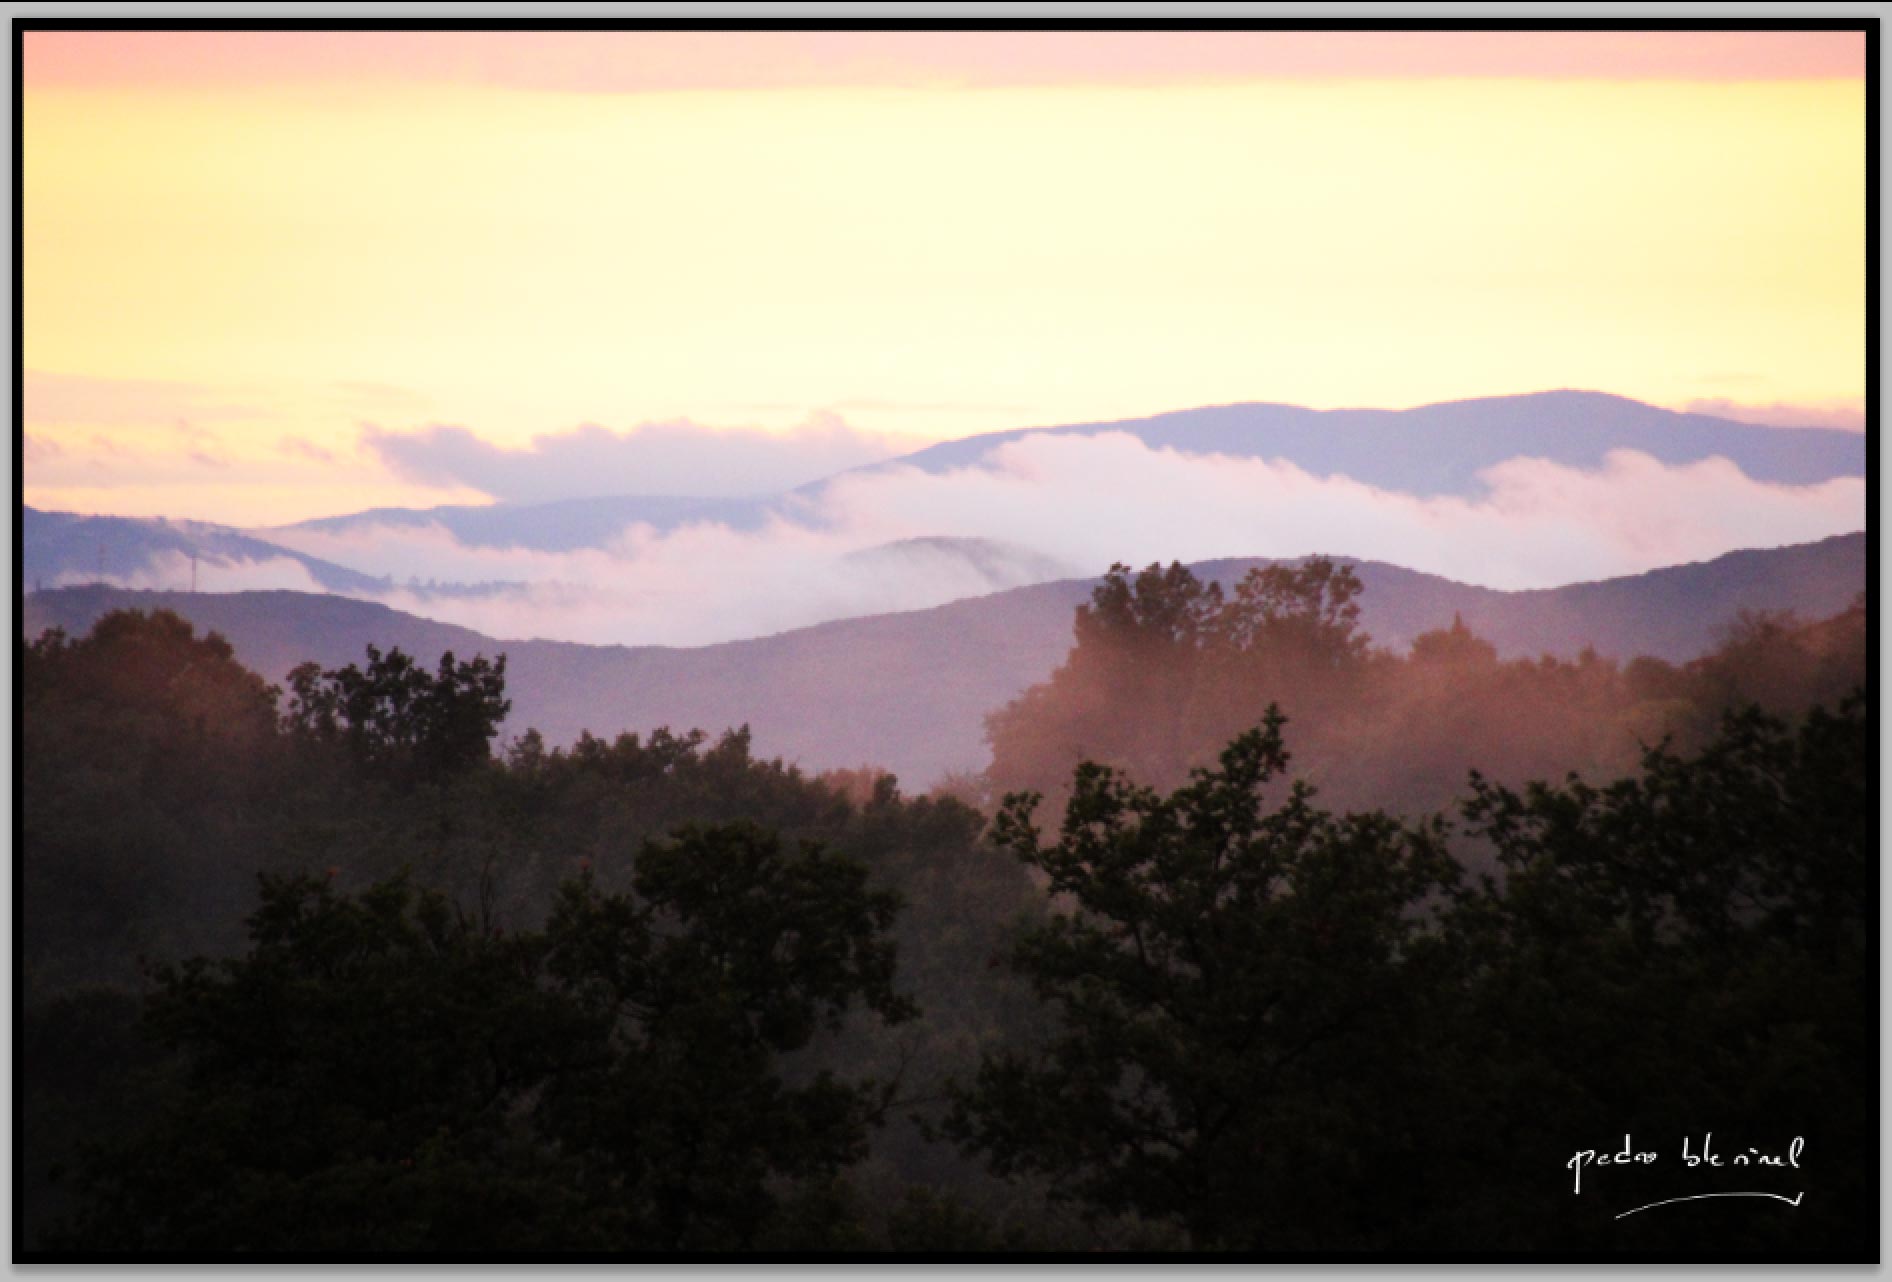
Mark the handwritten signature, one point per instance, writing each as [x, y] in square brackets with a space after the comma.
[1704, 1156]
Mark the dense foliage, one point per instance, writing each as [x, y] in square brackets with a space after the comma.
[1284, 1029]
[1223, 974]
[1167, 669]
[397, 721]
[655, 994]
[383, 1069]
[162, 779]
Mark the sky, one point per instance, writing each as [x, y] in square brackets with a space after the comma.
[274, 276]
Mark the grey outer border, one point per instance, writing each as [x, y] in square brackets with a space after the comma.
[869, 9]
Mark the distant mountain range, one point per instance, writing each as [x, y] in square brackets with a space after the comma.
[910, 691]
[1430, 450]
[1440, 449]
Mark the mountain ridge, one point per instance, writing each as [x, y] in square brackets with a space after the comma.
[909, 690]
[1569, 426]
[1373, 445]
[64, 543]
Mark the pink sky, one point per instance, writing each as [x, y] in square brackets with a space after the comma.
[646, 60]
[250, 252]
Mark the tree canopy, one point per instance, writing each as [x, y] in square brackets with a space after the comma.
[1283, 1029]
[1224, 970]
[396, 720]
[655, 993]
[382, 1071]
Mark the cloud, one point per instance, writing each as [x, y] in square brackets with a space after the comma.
[1058, 506]
[706, 584]
[1541, 524]
[171, 572]
[64, 399]
[297, 447]
[653, 458]
[41, 449]
[1846, 414]
[695, 585]
[179, 469]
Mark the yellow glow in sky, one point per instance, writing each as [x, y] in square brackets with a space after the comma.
[932, 262]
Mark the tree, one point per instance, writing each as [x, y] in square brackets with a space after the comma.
[353, 1082]
[1695, 940]
[1221, 971]
[395, 720]
[1165, 670]
[1782, 663]
[1282, 1029]
[1290, 636]
[1120, 694]
[147, 692]
[1308, 611]
[1158, 611]
[383, 1071]
[731, 954]
[1453, 647]
[143, 742]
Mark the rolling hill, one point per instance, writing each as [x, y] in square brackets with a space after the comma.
[909, 691]
[55, 544]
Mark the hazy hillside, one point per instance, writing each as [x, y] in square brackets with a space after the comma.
[56, 543]
[1673, 613]
[910, 691]
[557, 526]
[999, 564]
[1433, 449]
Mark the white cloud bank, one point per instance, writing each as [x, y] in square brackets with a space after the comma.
[1057, 505]
[170, 571]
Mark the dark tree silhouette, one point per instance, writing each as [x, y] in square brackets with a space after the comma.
[1223, 970]
[397, 720]
[384, 1072]
[1286, 1030]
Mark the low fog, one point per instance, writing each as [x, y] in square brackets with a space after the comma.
[1046, 507]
